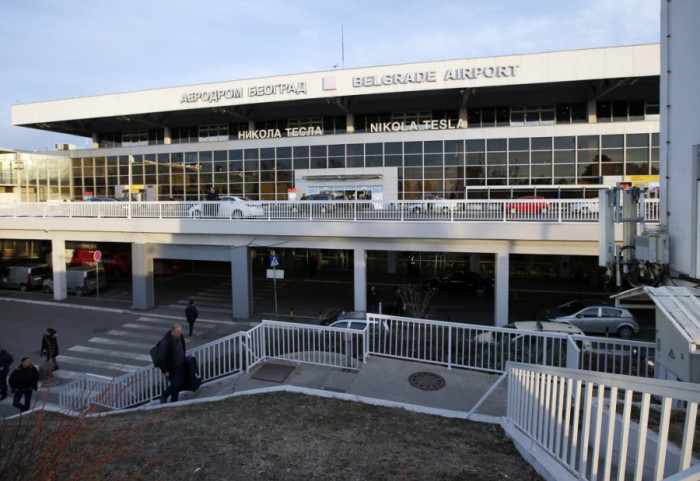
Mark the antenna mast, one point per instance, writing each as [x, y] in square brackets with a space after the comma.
[342, 44]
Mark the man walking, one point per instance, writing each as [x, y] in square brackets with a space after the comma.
[191, 312]
[5, 363]
[23, 380]
[171, 361]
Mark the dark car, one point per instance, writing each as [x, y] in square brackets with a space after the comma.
[316, 204]
[460, 282]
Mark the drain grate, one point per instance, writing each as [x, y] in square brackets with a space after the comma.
[427, 381]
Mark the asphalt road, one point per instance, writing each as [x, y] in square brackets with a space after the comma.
[100, 335]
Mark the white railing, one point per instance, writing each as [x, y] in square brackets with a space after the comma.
[489, 348]
[550, 210]
[222, 357]
[449, 344]
[599, 426]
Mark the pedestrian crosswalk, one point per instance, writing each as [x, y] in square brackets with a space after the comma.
[118, 351]
[218, 299]
[124, 348]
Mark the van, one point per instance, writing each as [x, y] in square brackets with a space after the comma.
[80, 280]
[25, 277]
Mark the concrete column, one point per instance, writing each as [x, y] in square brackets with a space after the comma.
[360, 268]
[564, 267]
[58, 261]
[167, 136]
[143, 287]
[502, 263]
[241, 283]
[251, 125]
[391, 262]
[350, 123]
[591, 111]
[474, 262]
[95, 142]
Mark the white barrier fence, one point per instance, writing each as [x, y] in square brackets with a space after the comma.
[606, 426]
[449, 344]
[547, 210]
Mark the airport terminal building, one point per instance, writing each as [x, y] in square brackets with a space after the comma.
[557, 124]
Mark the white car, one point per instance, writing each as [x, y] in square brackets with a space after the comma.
[358, 320]
[536, 326]
[230, 207]
[434, 205]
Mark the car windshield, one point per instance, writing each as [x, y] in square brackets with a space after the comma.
[571, 307]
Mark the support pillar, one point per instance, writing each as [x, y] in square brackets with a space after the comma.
[391, 262]
[350, 123]
[475, 263]
[241, 283]
[502, 266]
[58, 262]
[591, 111]
[360, 270]
[95, 142]
[143, 287]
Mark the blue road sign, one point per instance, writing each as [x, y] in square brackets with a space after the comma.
[274, 260]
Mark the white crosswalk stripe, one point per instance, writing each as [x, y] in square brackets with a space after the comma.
[124, 349]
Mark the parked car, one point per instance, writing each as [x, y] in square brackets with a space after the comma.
[358, 320]
[460, 282]
[307, 204]
[233, 207]
[80, 280]
[435, 205]
[593, 317]
[99, 199]
[528, 204]
[25, 277]
[539, 326]
[587, 207]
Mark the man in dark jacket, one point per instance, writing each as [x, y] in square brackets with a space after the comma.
[191, 313]
[5, 363]
[171, 361]
[23, 380]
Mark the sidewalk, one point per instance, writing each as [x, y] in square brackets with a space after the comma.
[381, 381]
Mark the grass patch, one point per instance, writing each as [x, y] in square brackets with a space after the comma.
[286, 436]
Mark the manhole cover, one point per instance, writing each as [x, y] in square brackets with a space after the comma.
[427, 381]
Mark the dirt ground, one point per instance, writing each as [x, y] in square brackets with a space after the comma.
[285, 436]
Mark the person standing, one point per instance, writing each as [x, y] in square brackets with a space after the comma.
[5, 363]
[23, 380]
[171, 361]
[372, 299]
[191, 312]
[400, 303]
[49, 346]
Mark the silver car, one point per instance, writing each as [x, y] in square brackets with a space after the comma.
[594, 317]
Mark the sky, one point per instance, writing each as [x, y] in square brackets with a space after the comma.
[57, 49]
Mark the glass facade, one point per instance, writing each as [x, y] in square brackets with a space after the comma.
[439, 167]
[37, 177]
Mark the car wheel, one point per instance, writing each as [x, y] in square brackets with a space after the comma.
[196, 214]
[480, 292]
[23, 287]
[584, 210]
[625, 332]
[417, 211]
[237, 214]
[544, 210]
[322, 210]
[512, 210]
[48, 290]
[117, 271]
[79, 292]
[445, 210]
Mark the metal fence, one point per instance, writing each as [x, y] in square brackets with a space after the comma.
[549, 210]
[448, 344]
[606, 426]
